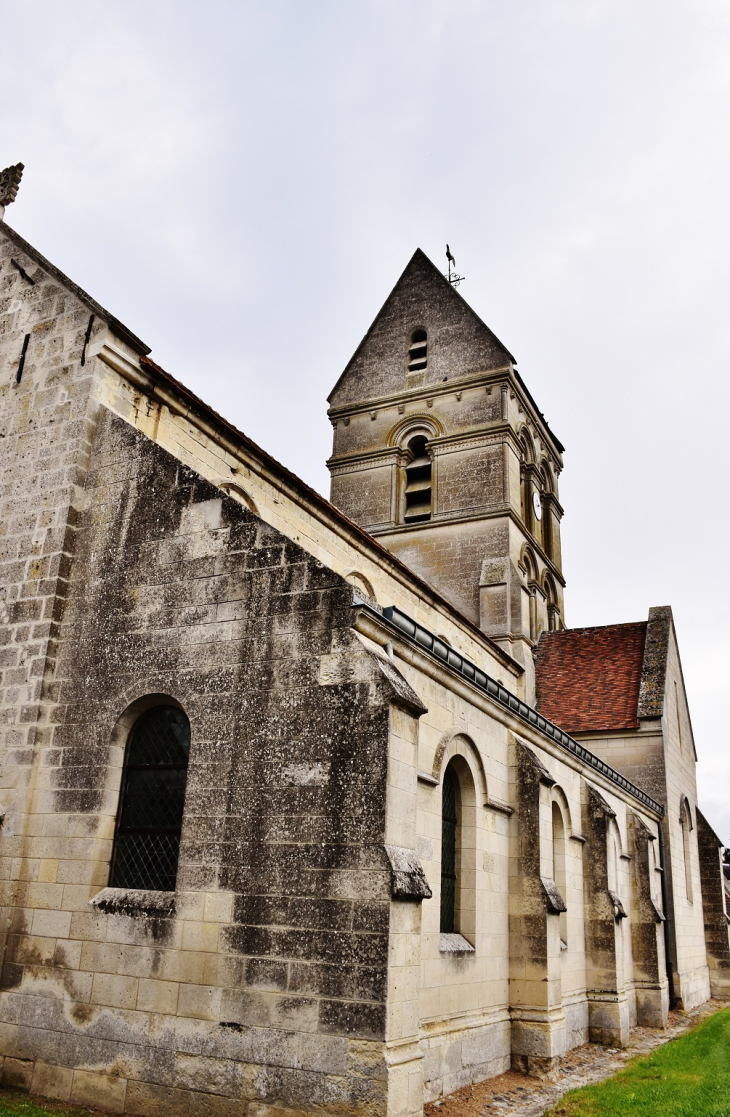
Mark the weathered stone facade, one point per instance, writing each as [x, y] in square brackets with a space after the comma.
[152, 554]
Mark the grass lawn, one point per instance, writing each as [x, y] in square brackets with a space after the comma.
[16, 1103]
[689, 1077]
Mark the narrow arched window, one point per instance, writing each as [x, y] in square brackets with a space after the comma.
[147, 839]
[418, 351]
[559, 870]
[685, 819]
[449, 825]
[552, 605]
[418, 482]
[547, 519]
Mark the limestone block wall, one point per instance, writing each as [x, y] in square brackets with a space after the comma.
[714, 905]
[506, 1002]
[263, 979]
[128, 392]
[692, 984]
[45, 430]
[660, 757]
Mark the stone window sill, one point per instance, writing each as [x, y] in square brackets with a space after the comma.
[454, 944]
[133, 901]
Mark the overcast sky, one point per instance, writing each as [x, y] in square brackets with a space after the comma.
[242, 183]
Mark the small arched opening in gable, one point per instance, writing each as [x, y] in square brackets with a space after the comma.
[417, 360]
[239, 493]
[360, 582]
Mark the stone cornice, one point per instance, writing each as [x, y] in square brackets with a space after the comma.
[459, 674]
[495, 512]
[369, 459]
[488, 435]
[488, 378]
[424, 391]
[491, 434]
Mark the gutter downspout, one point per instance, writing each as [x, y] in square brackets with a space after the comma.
[667, 918]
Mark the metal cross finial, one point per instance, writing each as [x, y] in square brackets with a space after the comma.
[9, 183]
[453, 277]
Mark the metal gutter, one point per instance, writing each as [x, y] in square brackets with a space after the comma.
[499, 693]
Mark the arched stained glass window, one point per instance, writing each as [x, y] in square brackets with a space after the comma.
[147, 840]
[449, 823]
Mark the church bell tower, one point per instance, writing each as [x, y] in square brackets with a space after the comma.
[441, 453]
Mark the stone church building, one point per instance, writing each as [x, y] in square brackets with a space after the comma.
[315, 807]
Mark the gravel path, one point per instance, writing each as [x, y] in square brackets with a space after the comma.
[516, 1095]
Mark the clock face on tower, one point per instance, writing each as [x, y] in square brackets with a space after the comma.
[537, 506]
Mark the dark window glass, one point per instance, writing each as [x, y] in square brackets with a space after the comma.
[147, 841]
[448, 853]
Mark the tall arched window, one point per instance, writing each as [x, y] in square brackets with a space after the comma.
[147, 839]
[449, 852]
[685, 819]
[559, 872]
[418, 351]
[418, 482]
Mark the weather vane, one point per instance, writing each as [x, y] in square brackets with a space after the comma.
[453, 277]
[9, 183]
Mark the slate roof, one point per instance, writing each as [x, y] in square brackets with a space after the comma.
[588, 679]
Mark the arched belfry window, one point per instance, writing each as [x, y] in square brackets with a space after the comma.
[418, 482]
[449, 826]
[149, 821]
[418, 351]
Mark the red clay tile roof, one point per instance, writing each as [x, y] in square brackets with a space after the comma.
[588, 679]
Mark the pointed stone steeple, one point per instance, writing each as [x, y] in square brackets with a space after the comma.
[441, 452]
[459, 342]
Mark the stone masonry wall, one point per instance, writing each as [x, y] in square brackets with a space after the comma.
[45, 429]
[264, 981]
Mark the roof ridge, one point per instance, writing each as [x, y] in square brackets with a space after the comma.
[595, 628]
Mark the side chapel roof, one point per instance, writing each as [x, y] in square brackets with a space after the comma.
[589, 679]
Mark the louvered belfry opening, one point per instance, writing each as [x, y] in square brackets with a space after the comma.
[147, 840]
[448, 853]
[418, 351]
[418, 482]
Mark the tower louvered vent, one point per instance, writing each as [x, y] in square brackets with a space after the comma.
[418, 351]
[418, 482]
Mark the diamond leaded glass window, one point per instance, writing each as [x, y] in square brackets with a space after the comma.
[147, 841]
[448, 853]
